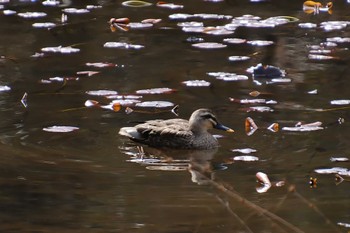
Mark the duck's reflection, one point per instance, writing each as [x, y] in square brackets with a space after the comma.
[199, 163]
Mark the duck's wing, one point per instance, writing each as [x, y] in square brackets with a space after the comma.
[161, 133]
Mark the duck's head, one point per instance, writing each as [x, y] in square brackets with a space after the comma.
[204, 119]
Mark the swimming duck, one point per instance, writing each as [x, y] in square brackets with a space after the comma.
[178, 133]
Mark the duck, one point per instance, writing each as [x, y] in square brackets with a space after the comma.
[178, 133]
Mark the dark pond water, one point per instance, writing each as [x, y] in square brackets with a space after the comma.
[84, 181]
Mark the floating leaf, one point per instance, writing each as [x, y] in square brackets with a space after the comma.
[87, 72]
[299, 127]
[260, 42]
[180, 16]
[246, 158]
[244, 151]
[136, 3]
[152, 91]
[60, 49]
[238, 58]
[235, 40]
[169, 5]
[339, 159]
[122, 45]
[209, 45]
[274, 127]
[100, 64]
[225, 76]
[340, 102]
[44, 25]
[75, 11]
[51, 3]
[196, 83]
[248, 101]
[30, 15]
[101, 92]
[191, 24]
[307, 25]
[91, 103]
[155, 104]
[151, 21]
[4, 88]
[60, 129]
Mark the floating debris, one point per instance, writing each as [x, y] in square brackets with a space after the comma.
[136, 3]
[122, 45]
[312, 7]
[152, 91]
[60, 49]
[300, 127]
[196, 83]
[340, 102]
[209, 45]
[250, 126]
[60, 129]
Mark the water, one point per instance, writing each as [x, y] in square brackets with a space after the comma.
[84, 182]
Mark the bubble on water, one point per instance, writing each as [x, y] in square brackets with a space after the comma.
[155, 104]
[31, 15]
[196, 83]
[209, 45]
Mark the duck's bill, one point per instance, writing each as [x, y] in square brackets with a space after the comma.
[225, 128]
